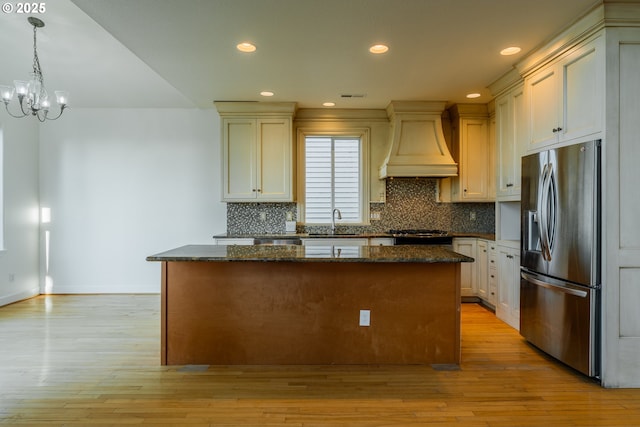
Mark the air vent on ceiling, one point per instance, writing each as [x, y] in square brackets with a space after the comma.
[352, 95]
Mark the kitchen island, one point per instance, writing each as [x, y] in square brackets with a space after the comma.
[309, 305]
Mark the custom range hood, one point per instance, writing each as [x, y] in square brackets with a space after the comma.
[418, 147]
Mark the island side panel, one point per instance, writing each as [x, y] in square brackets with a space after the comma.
[163, 314]
[308, 312]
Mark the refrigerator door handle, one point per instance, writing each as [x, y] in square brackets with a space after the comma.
[543, 220]
[555, 286]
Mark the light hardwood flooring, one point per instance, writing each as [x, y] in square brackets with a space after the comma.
[94, 360]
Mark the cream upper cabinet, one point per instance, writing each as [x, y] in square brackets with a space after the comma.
[510, 142]
[472, 148]
[257, 152]
[564, 99]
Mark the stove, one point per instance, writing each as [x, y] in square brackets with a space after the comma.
[421, 237]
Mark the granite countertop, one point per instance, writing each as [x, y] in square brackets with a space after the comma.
[299, 253]
[487, 236]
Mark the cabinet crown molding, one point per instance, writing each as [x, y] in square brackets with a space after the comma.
[240, 108]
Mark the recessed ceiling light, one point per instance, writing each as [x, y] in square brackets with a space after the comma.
[473, 95]
[246, 47]
[378, 48]
[510, 51]
[266, 93]
[329, 104]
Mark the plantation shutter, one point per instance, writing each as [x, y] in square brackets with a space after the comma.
[332, 179]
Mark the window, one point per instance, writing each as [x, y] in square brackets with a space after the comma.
[333, 172]
[1, 191]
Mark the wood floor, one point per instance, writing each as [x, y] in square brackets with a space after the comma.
[94, 360]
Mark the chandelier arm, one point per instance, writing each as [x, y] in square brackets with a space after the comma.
[6, 106]
[20, 101]
[56, 117]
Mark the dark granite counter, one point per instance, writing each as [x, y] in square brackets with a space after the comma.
[486, 236]
[298, 253]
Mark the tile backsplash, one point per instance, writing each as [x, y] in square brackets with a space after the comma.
[410, 203]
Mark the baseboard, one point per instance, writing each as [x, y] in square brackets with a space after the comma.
[70, 290]
[10, 299]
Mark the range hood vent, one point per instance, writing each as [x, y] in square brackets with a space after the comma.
[418, 147]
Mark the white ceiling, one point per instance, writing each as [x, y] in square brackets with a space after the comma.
[181, 53]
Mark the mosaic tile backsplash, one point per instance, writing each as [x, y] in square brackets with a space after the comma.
[410, 203]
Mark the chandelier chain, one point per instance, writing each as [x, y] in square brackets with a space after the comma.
[37, 70]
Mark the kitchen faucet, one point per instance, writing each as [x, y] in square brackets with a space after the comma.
[333, 219]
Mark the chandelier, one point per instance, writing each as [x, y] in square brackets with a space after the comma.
[32, 95]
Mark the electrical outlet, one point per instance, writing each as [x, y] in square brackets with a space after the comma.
[365, 317]
[374, 216]
[263, 216]
[12, 277]
[472, 216]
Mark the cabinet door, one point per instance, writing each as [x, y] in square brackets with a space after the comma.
[515, 282]
[543, 90]
[274, 153]
[508, 302]
[510, 139]
[476, 166]
[239, 159]
[505, 145]
[493, 274]
[468, 274]
[565, 99]
[583, 95]
[482, 269]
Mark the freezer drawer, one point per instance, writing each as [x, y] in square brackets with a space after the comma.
[560, 319]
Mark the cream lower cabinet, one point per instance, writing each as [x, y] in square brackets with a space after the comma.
[479, 278]
[482, 269]
[492, 273]
[508, 301]
[468, 273]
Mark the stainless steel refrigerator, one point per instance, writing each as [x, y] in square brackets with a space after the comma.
[560, 254]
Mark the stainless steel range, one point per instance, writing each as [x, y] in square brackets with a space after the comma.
[421, 237]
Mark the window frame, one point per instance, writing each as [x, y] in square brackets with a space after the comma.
[361, 133]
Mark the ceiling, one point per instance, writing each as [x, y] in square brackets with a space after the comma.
[181, 53]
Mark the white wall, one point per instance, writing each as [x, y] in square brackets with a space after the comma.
[19, 259]
[123, 184]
